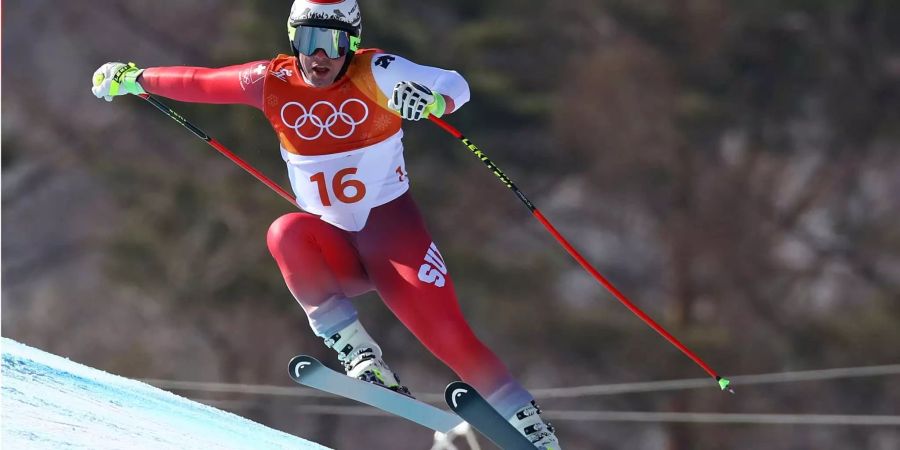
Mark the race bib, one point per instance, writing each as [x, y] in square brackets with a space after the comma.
[343, 188]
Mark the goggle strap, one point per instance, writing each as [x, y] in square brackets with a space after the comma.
[324, 23]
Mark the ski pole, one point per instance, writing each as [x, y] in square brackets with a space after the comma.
[221, 148]
[724, 384]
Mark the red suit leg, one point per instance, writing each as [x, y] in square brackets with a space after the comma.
[318, 260]
[394, 253]
[405, 267]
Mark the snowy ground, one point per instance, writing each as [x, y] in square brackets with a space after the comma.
[50, 402]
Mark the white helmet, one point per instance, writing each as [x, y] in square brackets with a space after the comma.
[334, 14]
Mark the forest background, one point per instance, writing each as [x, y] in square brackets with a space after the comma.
[732, 166]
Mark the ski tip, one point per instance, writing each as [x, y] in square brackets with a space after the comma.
[455, 391]
[301, 362]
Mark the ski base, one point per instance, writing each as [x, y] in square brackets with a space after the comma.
[310, 372]
[465, 401]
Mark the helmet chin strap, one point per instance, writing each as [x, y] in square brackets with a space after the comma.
[345, 66]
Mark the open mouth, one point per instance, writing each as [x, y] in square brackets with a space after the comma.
[320, 70]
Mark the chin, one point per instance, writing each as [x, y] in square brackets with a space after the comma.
[322, 83]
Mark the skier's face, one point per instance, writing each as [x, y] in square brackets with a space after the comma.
[320, 70]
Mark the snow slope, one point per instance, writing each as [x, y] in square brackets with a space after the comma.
[49, 402]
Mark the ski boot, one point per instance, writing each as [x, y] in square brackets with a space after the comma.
[528, 421]
[361, 357]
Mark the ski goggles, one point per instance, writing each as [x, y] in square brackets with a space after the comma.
[335, 43]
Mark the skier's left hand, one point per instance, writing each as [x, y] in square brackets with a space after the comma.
[414, 101]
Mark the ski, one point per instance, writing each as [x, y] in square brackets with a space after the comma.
[309, 371]
[465, 401]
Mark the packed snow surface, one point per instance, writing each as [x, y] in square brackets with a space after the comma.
[49, 402]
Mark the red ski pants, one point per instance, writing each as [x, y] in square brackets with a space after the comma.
[395, 255]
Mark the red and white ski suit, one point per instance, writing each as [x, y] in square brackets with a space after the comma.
[362, 230]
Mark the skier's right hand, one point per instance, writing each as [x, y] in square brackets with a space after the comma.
[115, 78]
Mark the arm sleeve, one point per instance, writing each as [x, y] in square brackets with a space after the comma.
[391, 69]
[240, 84]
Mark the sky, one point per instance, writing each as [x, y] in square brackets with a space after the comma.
[50, 402]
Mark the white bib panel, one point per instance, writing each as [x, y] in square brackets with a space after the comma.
[379, 168]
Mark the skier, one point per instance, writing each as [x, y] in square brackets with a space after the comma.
[337, 111]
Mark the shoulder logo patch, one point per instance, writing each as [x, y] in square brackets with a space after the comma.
[252, 75]
[384, 61]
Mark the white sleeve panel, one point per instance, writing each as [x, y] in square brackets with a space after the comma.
[391, 69]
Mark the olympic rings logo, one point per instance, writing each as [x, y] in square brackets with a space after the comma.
[336, 114]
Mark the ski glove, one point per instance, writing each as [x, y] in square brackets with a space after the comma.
[115, 78]
[414, 101]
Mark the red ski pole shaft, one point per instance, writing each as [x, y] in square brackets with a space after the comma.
[221, 148]
[723, 382]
